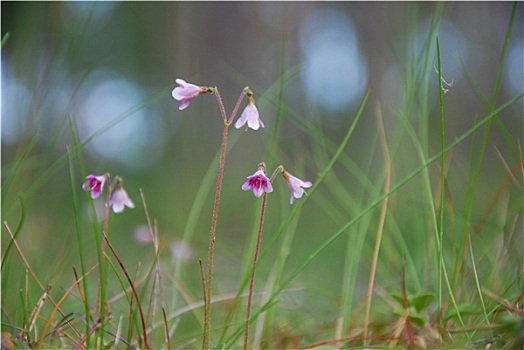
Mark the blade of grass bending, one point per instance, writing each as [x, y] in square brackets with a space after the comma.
[351, 202]
[478, 93]
[371, 206]
[17, 231]
[321, 177]
[16, 167]
[78, 230]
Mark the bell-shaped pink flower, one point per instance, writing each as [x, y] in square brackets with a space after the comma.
[186, 92]
[258, 182]
[120, 199]
[94, 184]
[295, 185]
[250, 116]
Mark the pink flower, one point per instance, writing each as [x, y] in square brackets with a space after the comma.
[186, 92]
[295, 185]
[120, 199]
[250, 116]
[94, 184]
[258, 182]
[181, 251]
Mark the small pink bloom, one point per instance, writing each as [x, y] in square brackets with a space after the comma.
[258, 182]
[250, 116]
[142, 235]
[94, 184]
[296, 186]
[181, 251]
[120, 199]
[186, 92]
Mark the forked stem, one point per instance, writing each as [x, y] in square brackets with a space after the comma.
[214, 220]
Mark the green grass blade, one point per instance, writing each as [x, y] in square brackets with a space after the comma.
[15, 170]
[440, 241]
[476, 172]
[79, 236]
[17, 231]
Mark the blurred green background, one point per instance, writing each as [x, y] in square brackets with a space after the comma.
[104, 62]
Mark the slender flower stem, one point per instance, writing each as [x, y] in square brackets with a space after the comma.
[255, 258]
[237, 106]
[212, 236]
[220, 104]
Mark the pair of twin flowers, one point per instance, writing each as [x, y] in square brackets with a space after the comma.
[259, 182]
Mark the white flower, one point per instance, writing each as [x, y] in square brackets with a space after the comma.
[250, 116]
[296, 186]
[120, 199]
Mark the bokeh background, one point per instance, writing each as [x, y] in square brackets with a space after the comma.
[116, 62]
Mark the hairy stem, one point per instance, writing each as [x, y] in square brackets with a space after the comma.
[212, 236]
[255, 258]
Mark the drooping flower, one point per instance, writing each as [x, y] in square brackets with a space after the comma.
[94, 184]
[258, 182]
[186, 92]
[295, 185]
[120, 199]
[250, 116]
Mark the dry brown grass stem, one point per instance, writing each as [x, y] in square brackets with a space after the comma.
[157, 280]
[166, 327]
[380, 229]
[57, 307]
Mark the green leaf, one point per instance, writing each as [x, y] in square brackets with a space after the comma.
[417, 320]
[421, 301]
[462, 309]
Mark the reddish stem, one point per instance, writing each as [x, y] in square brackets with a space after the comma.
[255, 258]
[212, 237]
